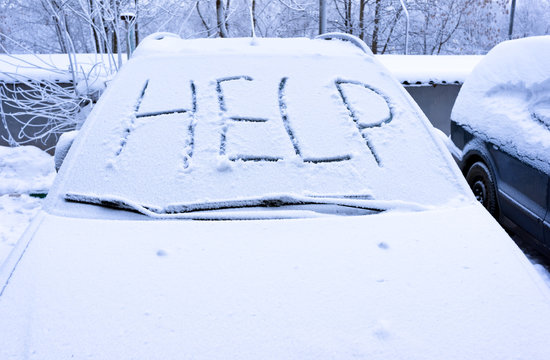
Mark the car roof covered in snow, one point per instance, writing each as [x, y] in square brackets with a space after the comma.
[163, 44]
[506, 100]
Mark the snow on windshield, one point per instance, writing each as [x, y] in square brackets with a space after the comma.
[181, 130]
[506, 99]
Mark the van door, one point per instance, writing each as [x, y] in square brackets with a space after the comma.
[546, 223]
[523, 192]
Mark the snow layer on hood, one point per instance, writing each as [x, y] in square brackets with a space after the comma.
[430, 69]
[326, 120]
[506, 100]
[413, 286]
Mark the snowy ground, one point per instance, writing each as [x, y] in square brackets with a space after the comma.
[542, 268]
[26, 170]
[542, 264]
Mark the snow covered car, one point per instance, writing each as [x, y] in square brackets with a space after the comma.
[265, 198]
[501, 124]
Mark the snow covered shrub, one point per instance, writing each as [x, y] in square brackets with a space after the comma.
[42, 97]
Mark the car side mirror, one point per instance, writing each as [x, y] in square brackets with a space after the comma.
[62, 148]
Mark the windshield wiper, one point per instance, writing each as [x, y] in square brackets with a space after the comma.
[187, 210]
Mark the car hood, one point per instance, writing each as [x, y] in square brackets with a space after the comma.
[443, 284]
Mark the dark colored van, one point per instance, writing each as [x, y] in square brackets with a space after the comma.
[501, 126]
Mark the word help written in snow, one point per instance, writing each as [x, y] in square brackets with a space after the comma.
[257, 126]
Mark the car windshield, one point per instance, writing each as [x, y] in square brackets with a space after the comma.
[183, 131]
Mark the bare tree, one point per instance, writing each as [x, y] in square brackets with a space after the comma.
[532, 18]
[362, 6]
[376, 29]
[221, 19]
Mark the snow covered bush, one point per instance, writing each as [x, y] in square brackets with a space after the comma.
[43, 96]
